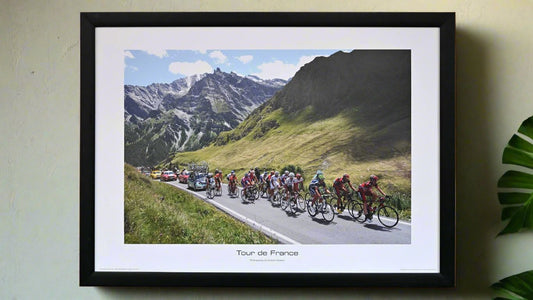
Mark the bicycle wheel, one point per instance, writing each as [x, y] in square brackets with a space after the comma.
[256, 194]
[388, 216]
[327, 212]
[284, 202]
[356, 211]
[311, 208]
[210, 193]
[293, 208]
[300, 202]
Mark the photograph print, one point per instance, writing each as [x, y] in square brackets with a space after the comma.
[267, 146]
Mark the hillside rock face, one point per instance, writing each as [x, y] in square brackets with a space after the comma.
[371, 88]
[188, 113]
[374, 81]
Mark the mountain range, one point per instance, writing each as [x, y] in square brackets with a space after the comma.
[189, 113]
[346, 113]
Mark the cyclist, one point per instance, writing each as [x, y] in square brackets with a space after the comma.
[290, 184]
[318, 173]
[232, 181]
[218, 179]
[314, 188]
[300, 183]
[210, 182]
[365, 189]
[257, 172]
[253, 178]
[340, 189]
[246, 182]
[274, 184]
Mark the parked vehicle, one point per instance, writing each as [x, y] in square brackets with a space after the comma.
[183, 176]
[156, 174]
[197, 181]
[168, 176]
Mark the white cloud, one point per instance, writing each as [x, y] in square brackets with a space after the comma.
[276, 69]
[245, 58]
[279, 69]
[157, 52]
[190, 68]
[128, 54]
[218, 56]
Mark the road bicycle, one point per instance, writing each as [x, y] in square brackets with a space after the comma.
[349, 203]
[387, 215]
[275, 198]
[233, 190]
[322, 206]
[263, 189]
[218, 189]
[250, 194]
[210, 191]
[294, 201]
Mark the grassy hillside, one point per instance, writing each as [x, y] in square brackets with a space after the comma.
[333, 145]
[157, 213]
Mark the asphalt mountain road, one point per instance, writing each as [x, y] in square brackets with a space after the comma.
[300, 228]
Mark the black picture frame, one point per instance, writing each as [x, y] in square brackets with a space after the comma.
[444, 22]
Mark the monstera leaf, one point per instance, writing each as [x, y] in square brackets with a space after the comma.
[518, 205]
[518, 201]
[516, 287]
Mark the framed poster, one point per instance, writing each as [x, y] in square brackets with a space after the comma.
[314, 104]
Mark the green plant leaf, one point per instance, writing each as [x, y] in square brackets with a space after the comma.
[516, 179]
[518, 286]
[527, 127]
[518, 205]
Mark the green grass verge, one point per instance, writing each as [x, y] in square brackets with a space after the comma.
[157, 213]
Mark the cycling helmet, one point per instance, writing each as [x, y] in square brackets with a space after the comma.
[345, 177]
[320, 177]
[373, 178]
[291, 174]
[286, 172]
[209, 175]
[276, 173]
[272, 172]
[298, 175]
[247, 175]
[232, 172]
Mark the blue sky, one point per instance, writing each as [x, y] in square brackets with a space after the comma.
[164, 66]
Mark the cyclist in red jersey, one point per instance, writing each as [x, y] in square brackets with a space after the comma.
[340, 189]
[365, 189]
[218, 179]
[246, 182]
[252, 176]
[232, 180]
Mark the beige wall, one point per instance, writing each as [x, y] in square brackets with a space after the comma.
[39, 130]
